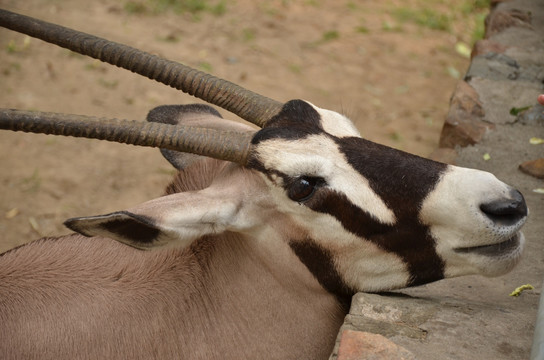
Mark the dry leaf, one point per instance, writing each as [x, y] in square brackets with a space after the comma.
[520, 289]
[536, 141]
[12, 213]
[34, 224]
[463, 49]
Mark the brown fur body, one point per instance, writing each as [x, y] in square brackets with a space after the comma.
[94, 298]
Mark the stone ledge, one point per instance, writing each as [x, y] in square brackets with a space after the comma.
[507, 68]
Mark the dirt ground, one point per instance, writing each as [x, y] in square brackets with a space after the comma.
[391, 76]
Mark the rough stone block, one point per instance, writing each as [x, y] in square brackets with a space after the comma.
[498, 97]
[433, 328]
[359, 345]
[518, 37]
[493, 66]
[464, 125]
[499, 20]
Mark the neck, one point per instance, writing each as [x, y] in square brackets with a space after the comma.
[266, 301]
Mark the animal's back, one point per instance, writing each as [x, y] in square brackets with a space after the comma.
[81, 298]
[80, 295]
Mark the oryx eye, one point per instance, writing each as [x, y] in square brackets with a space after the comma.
[302, 188]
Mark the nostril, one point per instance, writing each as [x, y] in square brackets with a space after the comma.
[506, 211]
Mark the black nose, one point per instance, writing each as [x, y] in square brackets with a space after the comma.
[506, 211]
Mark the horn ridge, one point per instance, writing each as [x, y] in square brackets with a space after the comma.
[250, 106]
[224, 145]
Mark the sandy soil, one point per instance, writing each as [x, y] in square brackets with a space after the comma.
[391, 78]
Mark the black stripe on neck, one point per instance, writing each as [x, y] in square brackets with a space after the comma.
[320, 263]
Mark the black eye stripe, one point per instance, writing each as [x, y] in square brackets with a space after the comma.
[407, 238]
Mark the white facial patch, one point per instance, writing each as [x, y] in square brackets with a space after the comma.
[363, 264]
[294, 159]
[336, 124]
[454, 207]
[452, 212]
[370, 268]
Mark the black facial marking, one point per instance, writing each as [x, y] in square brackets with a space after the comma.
[137, 228]
[402, 181]
[394, 175]
[320, 263]
[407, 238]
[296, 120]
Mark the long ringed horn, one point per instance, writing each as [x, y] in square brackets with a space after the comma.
[250, 106]
[225, 145]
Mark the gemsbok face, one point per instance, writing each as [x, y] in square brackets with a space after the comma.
[371, 205]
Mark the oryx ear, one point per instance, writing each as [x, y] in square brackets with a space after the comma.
[198, 115]
[173, 220]
[123, 226]
[181, 115]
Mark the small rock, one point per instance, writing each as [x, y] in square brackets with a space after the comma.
[534, 168]
[232, 60]
[532, 116]
[359, 345]
[464, 125]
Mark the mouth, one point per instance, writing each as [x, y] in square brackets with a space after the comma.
[494, 250]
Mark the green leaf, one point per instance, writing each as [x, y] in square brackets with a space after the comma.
[515, 111]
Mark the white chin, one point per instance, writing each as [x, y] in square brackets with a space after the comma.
[488, 260]
[501, 258]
